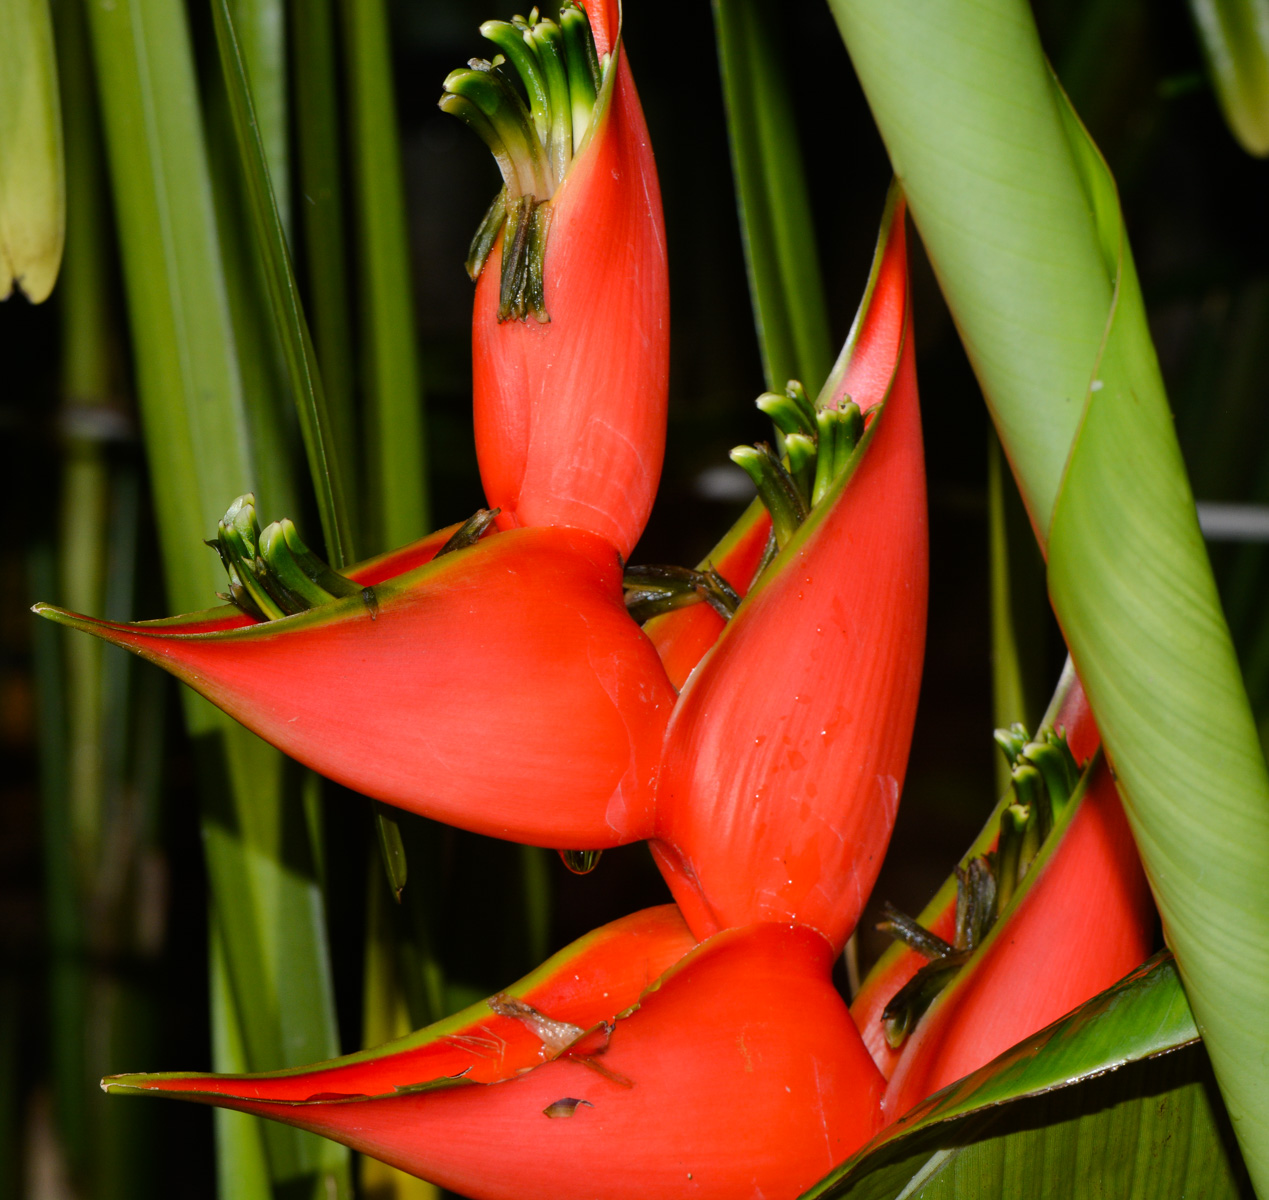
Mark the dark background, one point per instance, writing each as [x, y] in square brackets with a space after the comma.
[1195, 206]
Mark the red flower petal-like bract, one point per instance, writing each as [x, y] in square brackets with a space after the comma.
[1074, 719]
[502, 688]
[739, 1073]
[1082, 919]
[786, 753]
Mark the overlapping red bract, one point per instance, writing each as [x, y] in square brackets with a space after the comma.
[786, 752]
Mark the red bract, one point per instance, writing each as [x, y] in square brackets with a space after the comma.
[1072, 718]
[739, 1073]
[570, 414]
[786, 753]
[501, 688]
[1082, 922]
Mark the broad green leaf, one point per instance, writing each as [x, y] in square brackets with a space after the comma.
[775, 211]
[396, 465]
[1086, 1107]
[287, 310]
[1139, 609]
[32, 173]
[1023, 227]
[962, 97]
[1235, 39]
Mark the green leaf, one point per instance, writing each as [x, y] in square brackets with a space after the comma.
[1022, 224]
[1084, 1108]
[322, 222]
[261, 29]
[395, 460]
[961, 95]
[1139, 609]
[1236, 46]
[32, 174]
[293, 331]
[1019, 606]
[775, 211]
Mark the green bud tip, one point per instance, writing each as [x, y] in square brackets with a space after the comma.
[533, 135]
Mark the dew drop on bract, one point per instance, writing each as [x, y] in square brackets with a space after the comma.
[581, 862]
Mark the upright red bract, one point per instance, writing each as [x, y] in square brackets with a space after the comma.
[786, 752]
[570, 414]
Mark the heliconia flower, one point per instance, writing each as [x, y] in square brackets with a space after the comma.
[738, 1072]
[786, 752]
[1080, 921]
[570, 333]
[501, 688]
[1071, 717]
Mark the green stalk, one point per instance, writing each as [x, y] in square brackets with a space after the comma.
[287, 312]
[84, 790]
[1018, 606]
[396, 462]
[261, 363]
[775, 211]
[261, 27]
[386, 1015]
[322, 222]
[1022, 224]
[267, 906]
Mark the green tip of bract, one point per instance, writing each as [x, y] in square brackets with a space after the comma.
[533, 137]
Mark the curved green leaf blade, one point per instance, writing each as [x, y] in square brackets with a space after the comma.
[1080, 1100]
[1022, 223]
[775, 211]
[292, 327]
[1235, 39]
[1139, 609]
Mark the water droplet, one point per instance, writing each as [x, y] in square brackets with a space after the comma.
[581, 862]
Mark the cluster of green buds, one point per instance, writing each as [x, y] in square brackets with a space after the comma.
[272, 573]
[1043, 778]
[812, 448]
[533, 143]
